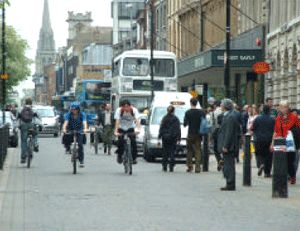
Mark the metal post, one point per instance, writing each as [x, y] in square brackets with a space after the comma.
[279, 180]
[205, 155]
[152, 48]
[227, 51]
[3, 63]
[247, 162]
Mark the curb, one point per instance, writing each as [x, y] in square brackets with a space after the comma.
[4, 174]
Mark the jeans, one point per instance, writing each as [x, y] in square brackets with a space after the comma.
[24, 135]
[68, 139]
[121, 143]
[168, 157]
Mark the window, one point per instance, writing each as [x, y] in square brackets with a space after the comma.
[116, 68]
[124, 11]
[135, 67]
[164, 67]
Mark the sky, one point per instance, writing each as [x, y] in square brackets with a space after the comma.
[26, 17]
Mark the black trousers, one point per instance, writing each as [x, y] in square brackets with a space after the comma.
[68, 139]
[229, 168]
[168, 157]
[264, 155]
[291, 163]
[121, 143]
[215, 140]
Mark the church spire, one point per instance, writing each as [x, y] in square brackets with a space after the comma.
[45, 53]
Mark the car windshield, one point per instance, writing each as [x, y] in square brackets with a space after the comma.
[160, 112]
[45, 112]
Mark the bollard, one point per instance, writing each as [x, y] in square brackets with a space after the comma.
[247, 162]
[279, 180]
[205, 155]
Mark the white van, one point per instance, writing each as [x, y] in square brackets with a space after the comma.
[181, 102]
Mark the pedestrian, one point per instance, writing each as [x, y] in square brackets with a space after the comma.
[106, 119]
[192, 119]
[273, 111]
[170, 133]
[228, 142]
[284, 124]
[239, 117]
[263, 128]
[216, 113]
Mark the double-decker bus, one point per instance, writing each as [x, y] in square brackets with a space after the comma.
[131, 76]
[62, 102]
[92, 94]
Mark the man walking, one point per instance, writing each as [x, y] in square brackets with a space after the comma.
[228, 142]
[106, 119]
[192, 119]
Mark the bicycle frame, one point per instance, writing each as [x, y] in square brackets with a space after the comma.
[127, 155]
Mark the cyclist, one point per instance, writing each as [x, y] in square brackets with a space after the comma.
[126, 117]
[75, 120]
[26, 117]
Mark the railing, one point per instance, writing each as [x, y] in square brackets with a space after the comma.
[4, 134]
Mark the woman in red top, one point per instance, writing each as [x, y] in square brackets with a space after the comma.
[285, 121]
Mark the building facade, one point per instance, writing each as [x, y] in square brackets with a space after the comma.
[283, 52]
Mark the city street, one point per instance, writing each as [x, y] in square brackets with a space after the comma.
[101, 197]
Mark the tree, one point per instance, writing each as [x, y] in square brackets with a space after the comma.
[17, 64]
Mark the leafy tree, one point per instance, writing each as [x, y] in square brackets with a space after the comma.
[17, 64]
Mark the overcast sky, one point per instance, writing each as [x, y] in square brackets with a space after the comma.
[26, 17]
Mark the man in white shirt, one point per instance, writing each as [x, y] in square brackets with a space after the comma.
[126, 117]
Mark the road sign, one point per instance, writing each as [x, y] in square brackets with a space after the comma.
[4, 76]
[261, 67]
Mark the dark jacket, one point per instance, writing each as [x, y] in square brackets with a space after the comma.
[263, 128]
[170, 127]
[101, 118]
[229, 133]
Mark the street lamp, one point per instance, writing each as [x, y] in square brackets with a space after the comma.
[130, 6]
[3, 75]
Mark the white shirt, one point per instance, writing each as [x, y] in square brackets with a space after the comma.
[127, 120]
[107, 118]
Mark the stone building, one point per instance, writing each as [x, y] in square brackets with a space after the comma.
[283, 52]
[45, 55]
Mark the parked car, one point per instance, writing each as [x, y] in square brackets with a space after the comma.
[50, 121]
[13, 139]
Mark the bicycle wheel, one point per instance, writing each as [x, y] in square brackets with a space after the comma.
[29, 153]
[96, 142]
[74, 160]
[130, 161]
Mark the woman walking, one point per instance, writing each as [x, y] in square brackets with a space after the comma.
[170, 134]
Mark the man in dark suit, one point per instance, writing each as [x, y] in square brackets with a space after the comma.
[228, 143]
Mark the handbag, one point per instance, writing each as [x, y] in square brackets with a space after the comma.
[205, 127]
[290, 143]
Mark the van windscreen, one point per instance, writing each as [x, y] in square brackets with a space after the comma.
[160, 112]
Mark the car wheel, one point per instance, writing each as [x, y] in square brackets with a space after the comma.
[147, 155]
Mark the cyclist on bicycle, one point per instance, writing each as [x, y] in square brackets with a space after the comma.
[75, 120]
[126, 117]
[26, 117]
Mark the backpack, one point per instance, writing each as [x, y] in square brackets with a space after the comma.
[205, 126]
[27, 115]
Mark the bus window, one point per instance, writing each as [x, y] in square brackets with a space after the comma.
[135, 67]
[164, 67]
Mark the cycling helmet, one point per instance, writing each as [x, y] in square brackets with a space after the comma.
[75, 105]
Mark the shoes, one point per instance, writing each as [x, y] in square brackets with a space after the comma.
[164, 168]
[36, 148]
[220, 165]
[81, 165]
[119, 159]
[23, 160]
[268, 175]
[171, 169]
[293, 180]
[190, 169]
[134, 162]
[227, 188]
[198, 170]
[260, 170]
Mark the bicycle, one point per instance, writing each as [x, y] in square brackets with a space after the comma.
[74, 149]
[30, 144]
[127, 155]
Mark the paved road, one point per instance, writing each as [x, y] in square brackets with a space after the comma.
[48, 197]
